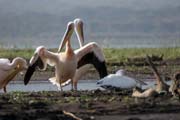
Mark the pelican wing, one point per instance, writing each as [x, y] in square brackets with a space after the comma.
[31, 69]
[92, 54]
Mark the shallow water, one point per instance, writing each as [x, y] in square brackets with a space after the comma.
[47, 86]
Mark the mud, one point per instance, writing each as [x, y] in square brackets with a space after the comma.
[87, 105]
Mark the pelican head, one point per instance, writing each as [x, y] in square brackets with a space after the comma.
[121, 72]
[21, 63]
[67, 35]
[78, 23]
[37, 61]
[38, 57]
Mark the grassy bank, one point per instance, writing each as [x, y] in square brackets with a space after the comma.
[119, 55]
[111, 54]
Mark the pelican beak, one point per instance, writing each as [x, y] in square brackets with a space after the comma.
[34, 63]
[79, 31]
[67, 35]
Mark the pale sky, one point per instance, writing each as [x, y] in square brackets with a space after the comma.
[58, 6]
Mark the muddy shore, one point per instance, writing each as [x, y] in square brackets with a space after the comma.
[87, 105]
[95, 104]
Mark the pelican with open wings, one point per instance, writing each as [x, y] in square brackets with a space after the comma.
[66, 63]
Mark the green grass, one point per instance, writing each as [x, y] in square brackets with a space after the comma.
[121, 55]
[111, 54]
[12, 53]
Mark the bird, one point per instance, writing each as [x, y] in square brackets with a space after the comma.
[119, 80]
[66, 63]
[95, 52]
[8, 70]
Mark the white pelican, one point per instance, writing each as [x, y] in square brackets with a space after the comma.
[8, 70]
[119, 80]
[67, 62]
[92, 52]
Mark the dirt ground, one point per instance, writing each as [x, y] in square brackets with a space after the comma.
[87, 105]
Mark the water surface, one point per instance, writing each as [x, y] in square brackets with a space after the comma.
[48, 86]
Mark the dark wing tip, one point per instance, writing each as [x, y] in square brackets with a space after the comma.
[91, 58]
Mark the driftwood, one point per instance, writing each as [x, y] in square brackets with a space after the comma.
[160, 84]
[71, 115]
[144, 94]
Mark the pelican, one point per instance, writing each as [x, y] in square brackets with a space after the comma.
[66, 63]
[92, 54]
[8, 70]
[119, 80]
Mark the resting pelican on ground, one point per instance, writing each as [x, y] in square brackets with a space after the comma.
[67, 62]
[119, 80]
[8, 70]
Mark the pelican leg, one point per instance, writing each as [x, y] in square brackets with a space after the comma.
[72, 88]
[61, 88]
[75, 85]
[60, 85]
[4, 88]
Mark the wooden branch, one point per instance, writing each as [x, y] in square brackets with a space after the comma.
[154, 69]
[161, 86]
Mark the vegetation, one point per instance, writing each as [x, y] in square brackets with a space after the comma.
[116, 58]
[121, 55]
[112, 55]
